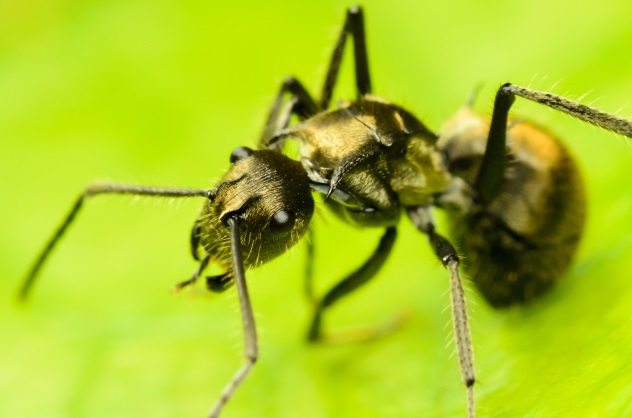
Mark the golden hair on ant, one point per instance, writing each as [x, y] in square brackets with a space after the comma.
[514, 197]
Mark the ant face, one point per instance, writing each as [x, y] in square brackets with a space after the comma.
[270, 195]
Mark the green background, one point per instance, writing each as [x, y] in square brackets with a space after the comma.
[160, 92]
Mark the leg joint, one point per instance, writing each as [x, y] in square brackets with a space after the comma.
[505, 96]
[289, 82]
[448, 259]
[355, 12]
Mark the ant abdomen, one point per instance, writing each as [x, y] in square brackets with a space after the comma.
[517, 245]
[270, 194]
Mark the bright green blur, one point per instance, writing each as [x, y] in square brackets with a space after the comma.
[160, 93]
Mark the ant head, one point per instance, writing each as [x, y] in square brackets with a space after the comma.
[270, 195]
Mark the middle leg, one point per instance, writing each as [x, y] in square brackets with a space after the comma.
[350, 283]
[354, 26]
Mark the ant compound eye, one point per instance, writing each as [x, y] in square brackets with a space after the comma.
[282, 221]
[240, 153]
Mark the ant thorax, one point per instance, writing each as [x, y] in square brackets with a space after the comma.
[376, 154]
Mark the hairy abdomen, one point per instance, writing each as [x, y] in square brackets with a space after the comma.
[519, 245]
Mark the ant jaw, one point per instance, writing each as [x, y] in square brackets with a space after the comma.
[220, 283]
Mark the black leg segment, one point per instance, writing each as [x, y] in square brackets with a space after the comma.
[219, 283]
[194, 240]
[300, 104]
[353, 281]
[491, 174]
[195, 276]
[354, 26]
[492, 171]
[309, 266]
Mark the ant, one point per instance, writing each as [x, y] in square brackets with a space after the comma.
[513, 194]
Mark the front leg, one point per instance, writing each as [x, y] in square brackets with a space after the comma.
[195, 276]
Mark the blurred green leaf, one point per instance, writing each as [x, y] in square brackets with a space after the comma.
[161, 92]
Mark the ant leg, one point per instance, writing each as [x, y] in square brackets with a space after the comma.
[445, 252]
[251, 350]
[195, 276]
[586, 113]
[300, 104]
[354, 26]
[309, 266]
[195, 240]
[490, 176]
[471, 98]
[350, 283]
[93, 190]
[219, 283]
